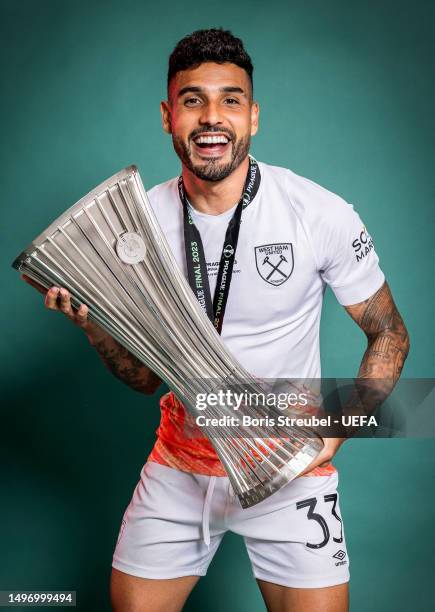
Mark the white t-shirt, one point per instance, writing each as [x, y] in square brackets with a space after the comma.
[295, 237]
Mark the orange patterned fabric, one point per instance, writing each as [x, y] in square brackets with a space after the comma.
[180, 443]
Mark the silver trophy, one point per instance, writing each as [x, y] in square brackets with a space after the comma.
[109, 251]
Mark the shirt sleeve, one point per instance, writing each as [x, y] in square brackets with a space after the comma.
[342, 246]
[347, 257]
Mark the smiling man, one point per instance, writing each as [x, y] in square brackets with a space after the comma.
[270, 241]
[211, 154]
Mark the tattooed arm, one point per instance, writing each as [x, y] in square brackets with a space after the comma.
[115, 357]
[381, 365]
[388, 340]
[122, 364]
[387, 348]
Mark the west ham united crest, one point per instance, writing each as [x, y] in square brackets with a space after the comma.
[275, 262]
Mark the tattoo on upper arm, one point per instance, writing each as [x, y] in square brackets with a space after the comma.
[388, 341]
[378, 314]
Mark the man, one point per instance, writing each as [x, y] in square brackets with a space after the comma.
[294, 238]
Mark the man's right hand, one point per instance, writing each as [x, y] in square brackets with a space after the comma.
[59, 298]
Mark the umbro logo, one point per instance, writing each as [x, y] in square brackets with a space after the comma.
[340, 555]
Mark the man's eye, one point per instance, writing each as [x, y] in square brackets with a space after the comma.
[231, 101]
[192, 101]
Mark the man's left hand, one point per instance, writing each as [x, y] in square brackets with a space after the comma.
[330, 448]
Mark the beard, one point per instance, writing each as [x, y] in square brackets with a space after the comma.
[212, 170]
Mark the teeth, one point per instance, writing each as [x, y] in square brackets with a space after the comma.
[211, 140]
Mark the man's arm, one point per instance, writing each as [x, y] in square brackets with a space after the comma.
[382, 362]
[121, 363]
[387, 349]
[388, 340]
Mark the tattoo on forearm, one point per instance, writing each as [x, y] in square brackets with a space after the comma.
[126, 366]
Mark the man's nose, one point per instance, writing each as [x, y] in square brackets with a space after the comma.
[210, 114]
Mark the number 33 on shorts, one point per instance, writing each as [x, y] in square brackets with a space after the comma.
[311, 504]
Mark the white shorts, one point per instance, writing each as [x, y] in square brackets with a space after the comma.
[176, 521]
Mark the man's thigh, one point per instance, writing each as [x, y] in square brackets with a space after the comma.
[133, 594]
[279, 598]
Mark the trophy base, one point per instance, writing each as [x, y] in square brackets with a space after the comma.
[288, 473]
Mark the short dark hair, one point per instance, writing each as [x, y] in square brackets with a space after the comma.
[213, 45]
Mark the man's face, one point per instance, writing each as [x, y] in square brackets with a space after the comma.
[211, 117]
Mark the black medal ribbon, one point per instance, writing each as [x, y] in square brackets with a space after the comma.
[195, 257]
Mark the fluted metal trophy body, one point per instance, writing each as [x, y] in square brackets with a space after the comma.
[109, 251]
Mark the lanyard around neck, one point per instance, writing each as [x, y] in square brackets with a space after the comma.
[195, 257]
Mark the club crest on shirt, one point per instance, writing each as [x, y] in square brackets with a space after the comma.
[275, 262]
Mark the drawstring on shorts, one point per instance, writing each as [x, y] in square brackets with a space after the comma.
[206, 511]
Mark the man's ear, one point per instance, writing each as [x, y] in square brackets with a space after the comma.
[166, 116]
[255, 113]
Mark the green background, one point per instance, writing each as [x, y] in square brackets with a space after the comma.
[347, 96]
